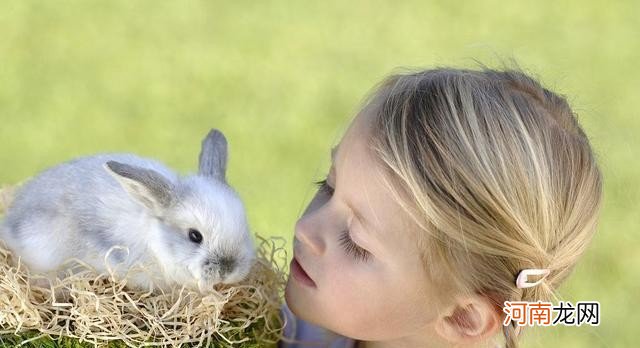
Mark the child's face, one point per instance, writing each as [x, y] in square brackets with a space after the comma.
[385, 296]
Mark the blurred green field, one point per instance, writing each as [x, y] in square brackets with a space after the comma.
[283, 79]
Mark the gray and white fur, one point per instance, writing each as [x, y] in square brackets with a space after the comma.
[82, 208]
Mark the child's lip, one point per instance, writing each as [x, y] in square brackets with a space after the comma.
[298, 271]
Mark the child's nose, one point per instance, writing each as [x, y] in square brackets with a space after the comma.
[308, 232]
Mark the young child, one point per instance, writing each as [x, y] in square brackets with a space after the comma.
[448, 185]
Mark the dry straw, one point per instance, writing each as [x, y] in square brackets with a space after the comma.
[98, 308]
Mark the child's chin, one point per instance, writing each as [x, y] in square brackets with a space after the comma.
[292, 295]
[298, 307]
[288, 291]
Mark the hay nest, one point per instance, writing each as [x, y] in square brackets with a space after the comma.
[99, 310]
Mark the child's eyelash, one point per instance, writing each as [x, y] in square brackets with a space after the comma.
[352, 248]
[345, 240]
[324, 187]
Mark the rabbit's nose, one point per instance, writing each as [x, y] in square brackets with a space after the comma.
[226, 265]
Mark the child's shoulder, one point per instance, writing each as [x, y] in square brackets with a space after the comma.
[299, 333]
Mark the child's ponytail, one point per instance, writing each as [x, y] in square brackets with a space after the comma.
[511, 335]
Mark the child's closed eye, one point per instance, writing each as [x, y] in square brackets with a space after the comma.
[345, 240]
[352, 248]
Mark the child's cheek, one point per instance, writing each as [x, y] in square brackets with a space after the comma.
[349, 272]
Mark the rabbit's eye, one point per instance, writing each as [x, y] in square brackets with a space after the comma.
[195, 236]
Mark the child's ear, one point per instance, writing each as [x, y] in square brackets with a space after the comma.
[470, 320]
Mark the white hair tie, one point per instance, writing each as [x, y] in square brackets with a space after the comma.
[523, 282]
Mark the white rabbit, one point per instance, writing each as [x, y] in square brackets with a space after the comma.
[191, 230]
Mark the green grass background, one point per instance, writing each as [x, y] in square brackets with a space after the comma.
[283, 79]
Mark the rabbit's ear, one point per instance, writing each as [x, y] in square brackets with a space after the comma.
[213, 156]
[146, 186]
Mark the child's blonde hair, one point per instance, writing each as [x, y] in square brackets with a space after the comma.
[496, 171]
